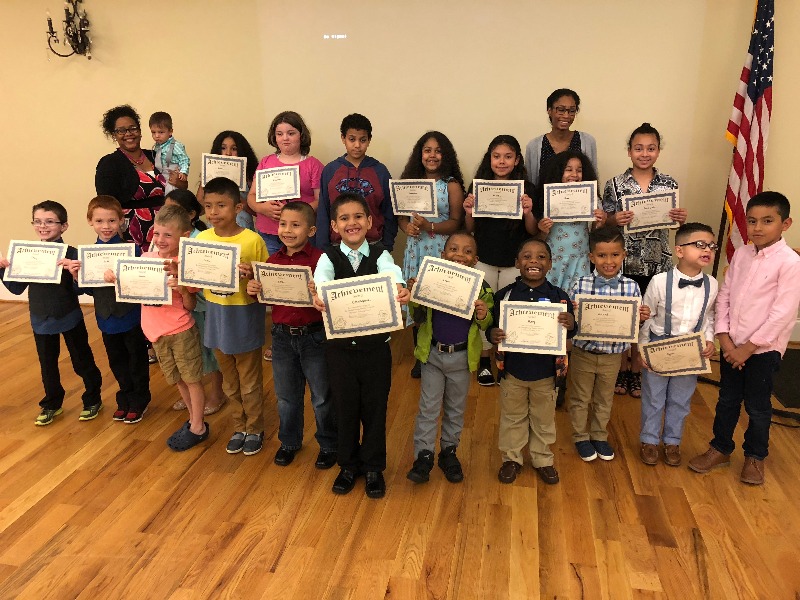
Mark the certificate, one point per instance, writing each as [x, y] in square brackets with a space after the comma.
[209, 265]
[360, 306]
[230, 167]
[34, 262]
[570, 201]
[283, 284]
[280, 183]
[650, 211]
[607, 318]
[679, 355]
[413, 196]
[532, 327]
[447, 286]
[142, 281]
[497, 199]
[96, 259]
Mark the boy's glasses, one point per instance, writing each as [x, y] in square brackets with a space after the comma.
[124, 130]
[47, 223]
[702, 245]
[562, 110]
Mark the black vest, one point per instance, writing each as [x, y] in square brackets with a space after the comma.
[57, 301]
[106, 305]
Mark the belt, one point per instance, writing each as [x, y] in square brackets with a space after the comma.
[449, 348]
[593, 351]
[301, 330]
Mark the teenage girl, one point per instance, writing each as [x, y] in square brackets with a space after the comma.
[433, 157]
[648, 252]
[499, 239]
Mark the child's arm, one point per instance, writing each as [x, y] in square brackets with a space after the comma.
[253, 288]
[600, 217]
[613, 207]
[469, 220]
[493, 333]
[486, 300]
[15, 287]
[403, 295]
[544, 226]
[527, 216]
[189, 298]
[181, 159]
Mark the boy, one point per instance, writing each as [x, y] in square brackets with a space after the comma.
[448, 347]
[298, 347]
[594, 365]
[528, 398]
[359, 368]
[681, 301]
[55, 311]
[169, 152]
[357, 173]
[756, 311]
[235, 321]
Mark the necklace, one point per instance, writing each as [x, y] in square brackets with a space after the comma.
[137, 161]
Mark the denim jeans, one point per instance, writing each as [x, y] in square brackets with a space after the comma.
[295, 360]
[665, 400]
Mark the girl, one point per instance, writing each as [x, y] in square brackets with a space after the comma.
[433, 157]
[648, 252]
[215, 399]
[499, 239]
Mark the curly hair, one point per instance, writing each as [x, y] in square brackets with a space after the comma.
[295, 120]
[111, 116]
[449, 167]
[485, 168]
[243, 148]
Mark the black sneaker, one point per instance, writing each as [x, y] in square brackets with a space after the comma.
[421, 469]
[134, 416]
[485, 377]
[253, 442]
[90, 412]
[449, 463]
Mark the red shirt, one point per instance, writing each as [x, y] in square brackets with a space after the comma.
[296, 316]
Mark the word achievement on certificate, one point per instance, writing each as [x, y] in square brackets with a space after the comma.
[278, 183]
[607, 318]
[570, 202]
[679, 355]
[142, 281]
[498, 199]
[34, 262]
[447, 286]
[209, 265]
[360, 306]
[230, 167]
[532, 327]
[650, 211]
[283, 284]
[411, 196]
[96, 259]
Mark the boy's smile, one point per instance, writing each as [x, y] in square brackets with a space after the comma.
[352, 224]
[167, 238]
[105, 223]
[294, 230]
[607, 258]
[48, 226]
[461, 249]
[533, 262]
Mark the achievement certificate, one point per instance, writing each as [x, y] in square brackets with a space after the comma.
[360, 306]
[34, 262]
[413, 196]
[570, 201]
[279, 183]
[498, 199]
[209, 265]
[96, 259]
[679, 355]
[532, 327]
[231, 167]
[447, 286]
[607, 318]
[283, 284]
[142, 281]
[650, 211]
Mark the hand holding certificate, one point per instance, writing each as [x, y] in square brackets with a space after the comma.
[650, 211]
[447, 286]
[360, 306]
[283, 284]
[413, 196]
[142, 281]
[35, 262]
[279, 183]
[532, 327]
[568, 202]
[209, 265]
[497, 199]
[96, 259]
[230, 167]
[680, 355]
[607, 318]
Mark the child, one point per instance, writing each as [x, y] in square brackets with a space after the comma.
[594, 365]
[235, 321]
[298, 343]
[170, 154]
[499, 239]
[647, 252]
[756, 311]
[291, 139]
[359, 368]
[448, 348]
[527, 401]
[433, 157]
[356, 173]
[681, 301]
[55, 311]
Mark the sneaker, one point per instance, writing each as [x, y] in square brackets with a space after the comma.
[47, 416]
[236, 443]
[119, 415]
[604, 450]
[134, 417]
[90, 412]
[485, 377]
[448, 462]
[253, 443]
[586, 450]
[421, 469]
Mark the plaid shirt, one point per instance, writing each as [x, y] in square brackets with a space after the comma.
[592, 284]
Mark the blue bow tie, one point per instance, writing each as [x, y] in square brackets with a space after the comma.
[613, 283]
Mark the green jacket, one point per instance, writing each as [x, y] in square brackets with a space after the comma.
[474, 342]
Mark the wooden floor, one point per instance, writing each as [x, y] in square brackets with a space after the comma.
[105, 510]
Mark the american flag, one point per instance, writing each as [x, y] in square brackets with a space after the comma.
[748, 127]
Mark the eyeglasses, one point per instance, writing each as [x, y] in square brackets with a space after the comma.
[562, 110]
[700, 244]
[124, 130]
[47, 223]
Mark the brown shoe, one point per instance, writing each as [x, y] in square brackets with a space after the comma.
[712, 459]
[672, 455]
[649, 454]
[752, 471]
[548, 474]
[508, 472]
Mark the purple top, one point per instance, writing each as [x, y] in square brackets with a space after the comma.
[449, 329]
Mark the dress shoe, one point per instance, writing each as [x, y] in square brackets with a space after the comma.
[284, 456]
[548, 474]
[752, 471]
[672, 455]
[649, 454]
[344, 482]
[325, 459]
[711, 459]
[375, 486]
[508, 472]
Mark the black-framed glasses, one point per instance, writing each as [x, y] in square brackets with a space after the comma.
[562, 110]
[700, 244]
[124, 130]
[46, 223]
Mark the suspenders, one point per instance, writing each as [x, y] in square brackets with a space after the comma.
[668, 307]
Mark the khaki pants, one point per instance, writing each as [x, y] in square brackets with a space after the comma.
[243, 384]
[527, 416]
[590, 392]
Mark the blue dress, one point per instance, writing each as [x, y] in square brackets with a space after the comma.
[427, 243]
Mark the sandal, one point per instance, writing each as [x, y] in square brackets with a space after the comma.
[179, 405]
[210, 410]
[183, 439]
[635, 384]
[621, 386]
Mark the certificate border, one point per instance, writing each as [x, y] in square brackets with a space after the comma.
[631, 339]
[474, 291]
[295, 170]
[706, 367]
[259, 267]
[164, 299]
[208, 285]
[557, 350]
[55, 278]
[242, 169]
[518, 184]
[333, 332]
[401, 182]
[548, 187]
[130, 248]
[667, 225]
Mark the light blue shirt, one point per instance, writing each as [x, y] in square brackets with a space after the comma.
[325, 272]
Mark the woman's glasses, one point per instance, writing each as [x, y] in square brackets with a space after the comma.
[124, 130]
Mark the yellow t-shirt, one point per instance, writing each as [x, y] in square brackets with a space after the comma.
[253, 249]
